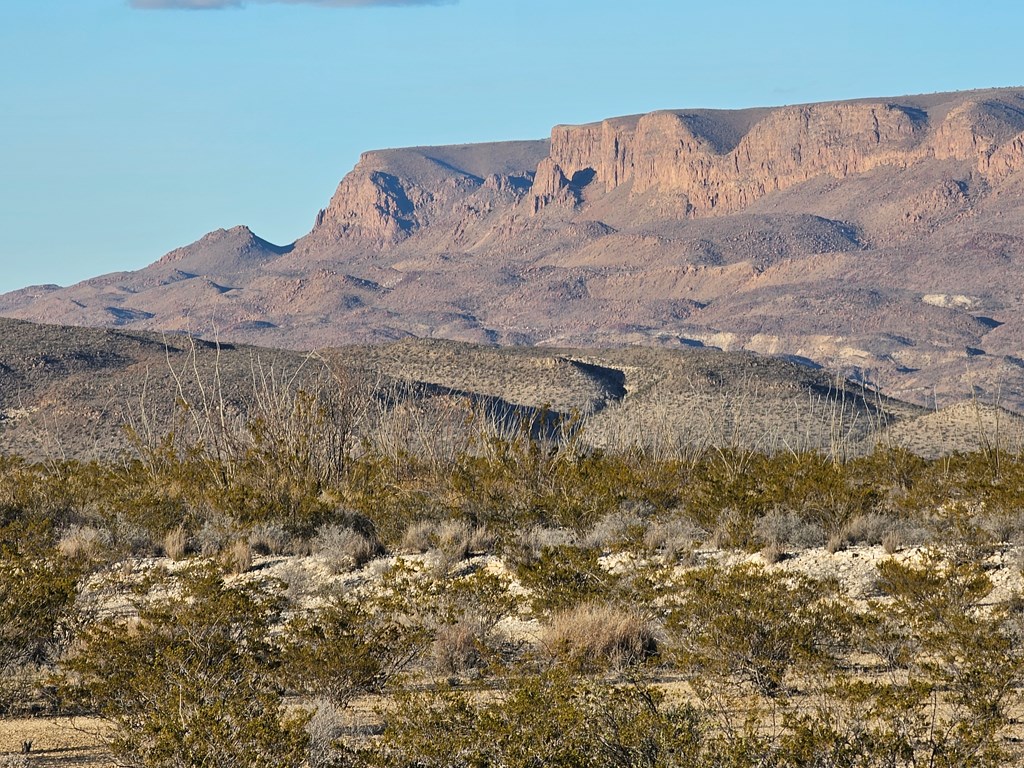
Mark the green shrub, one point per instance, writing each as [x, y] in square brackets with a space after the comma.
[189, 682]
[952, 665]
[564, 577]
[551, 719]
[37, 591]
[344, 649]
[751, 625]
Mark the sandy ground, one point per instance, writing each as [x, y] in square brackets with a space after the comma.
[57, 741]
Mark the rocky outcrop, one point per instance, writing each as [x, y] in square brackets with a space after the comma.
[391, 194]
[1005, 160]
[722, 162]
[371, 205]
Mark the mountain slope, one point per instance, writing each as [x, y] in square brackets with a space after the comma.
[881, 238]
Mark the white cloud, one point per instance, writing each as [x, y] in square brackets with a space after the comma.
[206, 5]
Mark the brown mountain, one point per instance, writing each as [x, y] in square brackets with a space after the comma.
[883, 238]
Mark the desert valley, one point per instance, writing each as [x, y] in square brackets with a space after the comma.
[690, 438]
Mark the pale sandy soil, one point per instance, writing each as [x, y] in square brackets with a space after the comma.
[57, 741]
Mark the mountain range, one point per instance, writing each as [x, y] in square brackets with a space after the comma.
[882, 239]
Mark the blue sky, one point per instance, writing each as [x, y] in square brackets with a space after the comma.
[126, 131]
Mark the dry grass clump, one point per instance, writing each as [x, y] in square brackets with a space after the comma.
[836, 543]
[417, 538]
[175, 544]
[527, 545]
[674, 539]
[889, 532]
[83, 541]
[298, 583]
[1003, 528]
[623, 528]
[452, 540]
[237, 558]
[345, 548]
[868, 529]
[598, 635]
[459, 648]
[269, 539]
[773, 552]
[892, 542]
[324, 727]
[214, 535]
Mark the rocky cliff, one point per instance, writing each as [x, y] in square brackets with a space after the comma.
[391, 194]
[722, 163]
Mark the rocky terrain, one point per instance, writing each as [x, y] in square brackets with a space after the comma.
[879, 238]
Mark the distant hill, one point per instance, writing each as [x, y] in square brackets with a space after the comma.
[879, 238]
[70, 392]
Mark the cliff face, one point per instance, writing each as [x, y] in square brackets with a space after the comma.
[721, 165]
[713, 161]
[391, 194]
[370, 204]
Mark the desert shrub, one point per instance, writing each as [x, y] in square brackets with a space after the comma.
[563, 577]
[869, 528]
[729, 490]
[214, 534]
[623, 529]
[594, 636]
[551, 719]
[953, 664]
[37, 593]
[190, 682]
[270, 456]
[346, 648]
[459, 648]
[269, 539]
[527, 545]
[734, 530]
[754, 626]
[344, 547]
[825, 493]
[452, 541]
[673, 538]
[418, 536]
[785, 529]
[325, 728]
[722, 494]
[457, 615]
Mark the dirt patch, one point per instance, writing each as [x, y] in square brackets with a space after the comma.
[59, 741]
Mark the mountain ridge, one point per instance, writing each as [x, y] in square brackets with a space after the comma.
[882, 238]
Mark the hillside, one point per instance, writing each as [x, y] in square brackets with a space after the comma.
[71, 393]
[879, 238]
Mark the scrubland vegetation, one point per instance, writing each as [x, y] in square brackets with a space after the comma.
[495, 593]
